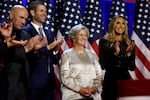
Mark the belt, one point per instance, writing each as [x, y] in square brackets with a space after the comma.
[42, 57]
[87, 98]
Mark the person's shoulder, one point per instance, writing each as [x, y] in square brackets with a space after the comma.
[23, 32]
[68, 51]
[27, 27]
[90, 51]
[103, 40]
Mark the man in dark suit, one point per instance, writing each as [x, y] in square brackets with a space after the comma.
[42, 60]
[16, 61]
[6, 42]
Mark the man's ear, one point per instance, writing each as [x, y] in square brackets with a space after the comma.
[32, 12]
[11, 16]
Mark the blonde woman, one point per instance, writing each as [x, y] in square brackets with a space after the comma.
[117, 56]
[81, 72]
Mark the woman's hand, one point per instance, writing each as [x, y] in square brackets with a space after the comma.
[84, 91]
[130, 48]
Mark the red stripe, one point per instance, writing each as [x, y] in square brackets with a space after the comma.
[134, 88]
[138, 74]
[69, 43]
[143, 58]
[95, 47]
[130, 0]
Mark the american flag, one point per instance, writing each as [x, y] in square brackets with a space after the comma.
[141, 35]
[93, 21]
[59, 11]
[1, 6]
[49, 23]
[118, 9]
[70, 16]
[8, 4]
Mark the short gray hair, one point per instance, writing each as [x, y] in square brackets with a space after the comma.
[73, 32]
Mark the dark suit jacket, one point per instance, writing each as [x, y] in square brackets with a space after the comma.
[3, 71]
[17, 65]
[39, 62]
[3, 48]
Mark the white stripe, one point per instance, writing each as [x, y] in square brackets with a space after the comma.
[141, 46]
[142, 68]
[64, 46]
[133, 75]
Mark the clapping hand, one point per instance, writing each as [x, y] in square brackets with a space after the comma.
[40, 43]
[56, 44]
[60, 42]
[6, 30]
[130, 47]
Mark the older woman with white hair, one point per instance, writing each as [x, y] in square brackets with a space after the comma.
[80, 72]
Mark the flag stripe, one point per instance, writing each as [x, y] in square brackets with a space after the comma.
[143, 58]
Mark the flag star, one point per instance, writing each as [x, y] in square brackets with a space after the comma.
[144, 22]
[148, 34]
[116, 13]
[148, 39]
[73, 10]
[117, 8]
[67, 8]
[71, 15]
[146, 11]
[138, 26]
[93, 22]
[140, 15]
[70, 21]
[143, 33]
[118, 3]
[76, 16]
[143, 27]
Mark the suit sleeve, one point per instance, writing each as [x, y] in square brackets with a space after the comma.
[3, 48]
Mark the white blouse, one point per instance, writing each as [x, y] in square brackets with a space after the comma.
[80, 70]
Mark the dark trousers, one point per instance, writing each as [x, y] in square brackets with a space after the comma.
[41, 94]
[110, 90]
[16, 83]
[3, 85]
[88, 98]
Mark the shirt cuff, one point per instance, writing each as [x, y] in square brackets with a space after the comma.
[55, 52]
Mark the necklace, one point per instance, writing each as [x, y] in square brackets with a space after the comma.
[80, 52]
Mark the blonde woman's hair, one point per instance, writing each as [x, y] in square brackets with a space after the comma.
[111, 31]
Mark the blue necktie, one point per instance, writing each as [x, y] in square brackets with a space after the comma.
[42, 35]
[41, 32]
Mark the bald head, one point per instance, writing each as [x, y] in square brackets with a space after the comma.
[18, 16]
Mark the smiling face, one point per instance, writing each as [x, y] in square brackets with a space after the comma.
[119, 25]
[39, 15]
[81, 38]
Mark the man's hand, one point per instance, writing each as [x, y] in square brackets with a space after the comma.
[12, 42]
[52, 45]
[60, 42]
[31, 43]
[40, 43]
[6, 30]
